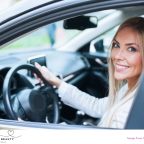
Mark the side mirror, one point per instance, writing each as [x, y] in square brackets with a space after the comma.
[81, 22]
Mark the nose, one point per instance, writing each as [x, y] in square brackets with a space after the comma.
[119, 54]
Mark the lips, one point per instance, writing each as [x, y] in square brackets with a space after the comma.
[121, 68]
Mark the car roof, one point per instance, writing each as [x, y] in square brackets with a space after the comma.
[27, 16]
[26, 6]
[23, 7]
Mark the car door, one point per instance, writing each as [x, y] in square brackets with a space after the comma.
[30, 19]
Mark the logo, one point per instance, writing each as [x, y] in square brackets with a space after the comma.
[8, 135]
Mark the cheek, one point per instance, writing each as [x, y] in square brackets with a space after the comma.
[136, 61]
[113, 53]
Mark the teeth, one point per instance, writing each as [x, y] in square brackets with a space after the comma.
[121, 67]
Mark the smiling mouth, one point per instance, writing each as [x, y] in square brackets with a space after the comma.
[121, 68]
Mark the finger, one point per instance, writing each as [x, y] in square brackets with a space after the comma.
[38, 79]
[35, 75]
[38, 66]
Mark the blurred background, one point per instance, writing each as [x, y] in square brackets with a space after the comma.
[49, 36]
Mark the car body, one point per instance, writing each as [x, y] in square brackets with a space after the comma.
[81, 60]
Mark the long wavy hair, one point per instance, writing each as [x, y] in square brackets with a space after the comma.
[137, 24]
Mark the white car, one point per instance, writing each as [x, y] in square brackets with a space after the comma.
[84, 30]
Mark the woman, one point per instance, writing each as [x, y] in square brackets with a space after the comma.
[125, 68]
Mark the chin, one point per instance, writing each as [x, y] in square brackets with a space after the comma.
[119, 77]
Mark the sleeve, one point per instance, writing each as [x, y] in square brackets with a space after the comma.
[75, 98]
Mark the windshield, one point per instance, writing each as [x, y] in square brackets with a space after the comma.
[52, 36]
[49, 36]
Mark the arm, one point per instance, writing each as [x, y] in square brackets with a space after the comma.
[73, 97]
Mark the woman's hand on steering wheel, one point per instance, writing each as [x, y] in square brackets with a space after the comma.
[48, 76]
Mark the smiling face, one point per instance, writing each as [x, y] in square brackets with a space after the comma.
[126, 56]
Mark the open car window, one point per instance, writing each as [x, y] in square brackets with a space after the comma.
[78, 56]
[50, 36]
[53, 35]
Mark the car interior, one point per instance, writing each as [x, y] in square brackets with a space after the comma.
[80, 61]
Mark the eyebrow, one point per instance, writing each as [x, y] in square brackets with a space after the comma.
[128, 44]
[116, 41]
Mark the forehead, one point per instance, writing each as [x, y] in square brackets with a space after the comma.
[128, 35]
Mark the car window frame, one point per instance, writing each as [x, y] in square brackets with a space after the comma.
[51, 18]
[13, 28]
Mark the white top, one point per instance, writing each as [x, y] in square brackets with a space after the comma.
[114, 118]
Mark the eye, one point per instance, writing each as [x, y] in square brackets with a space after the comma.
[132, 49]
[115, 45]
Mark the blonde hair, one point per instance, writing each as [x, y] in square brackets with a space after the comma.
[137, 24]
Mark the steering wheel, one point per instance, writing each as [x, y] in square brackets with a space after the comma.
[35, 103]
